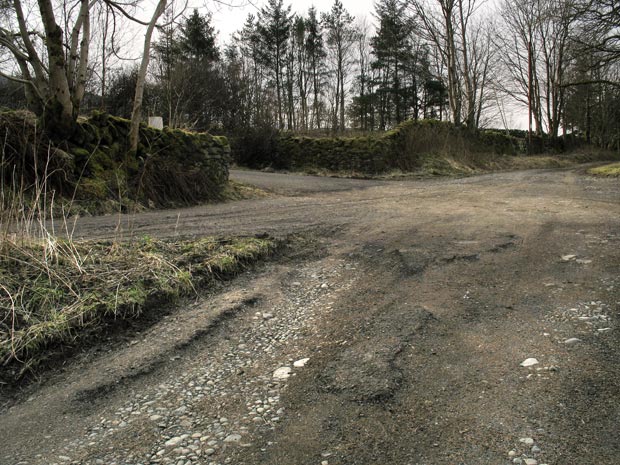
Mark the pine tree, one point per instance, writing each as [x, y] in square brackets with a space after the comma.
[197, 40]
[340, 38]
[274, 26]
[315, 49]
[392, 49]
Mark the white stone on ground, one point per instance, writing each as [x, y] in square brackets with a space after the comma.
[528, 362]
[233, 438]
[301, 363]
[282, 373]
[173, 442]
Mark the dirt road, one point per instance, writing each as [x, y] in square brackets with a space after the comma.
[392, 331]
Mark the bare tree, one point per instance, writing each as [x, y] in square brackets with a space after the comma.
[536, 46]
[54, 76]
[440, 21]
[136, 113]
[341, 37]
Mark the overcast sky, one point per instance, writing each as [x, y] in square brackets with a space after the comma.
[228, 20]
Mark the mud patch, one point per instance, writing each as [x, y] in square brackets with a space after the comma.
[366, 371]
[510, 242]
[451, 258]
[410, 261]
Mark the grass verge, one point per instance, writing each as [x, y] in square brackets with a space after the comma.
[54, 291]
[607, 171]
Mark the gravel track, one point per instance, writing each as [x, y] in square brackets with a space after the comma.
[415, 303]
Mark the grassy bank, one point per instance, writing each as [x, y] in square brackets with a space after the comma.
[438, 165]
[470, 164]
[608, 171]
[55, 292]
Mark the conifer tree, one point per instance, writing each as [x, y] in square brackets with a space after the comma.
[274, 26]
[315, 49]
[340, 39]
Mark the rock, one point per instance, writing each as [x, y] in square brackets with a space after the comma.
[209, 451]
[530, 462]
[572, 340]
[180, 411]
[528, 362]
[301, 363]
[535, 449]
[282, 373]
[324, 286]
[527, 441]
[603, 330]
[267, 316]
[512, 453]
[568, 258]
[232, 438]
[296, 283]
[582, 261]
[64, 458]
[155, 417]
[173, 442]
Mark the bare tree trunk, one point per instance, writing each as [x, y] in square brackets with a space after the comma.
[136, 114]
[82, 67]
[58, 115]
[104, 55]
[470, 94]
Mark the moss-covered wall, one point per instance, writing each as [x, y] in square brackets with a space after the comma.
[94, 168]
[401, 148]
[172, 166]
[361, 154]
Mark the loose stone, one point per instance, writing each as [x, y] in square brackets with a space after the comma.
[233, 438]
[301, 363]
[282, 373]
[173, 442]
[528, 362]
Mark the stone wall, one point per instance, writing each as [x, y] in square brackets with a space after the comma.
[172, 167]
[402, 148]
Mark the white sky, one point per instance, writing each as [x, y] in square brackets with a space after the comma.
[228, 20]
